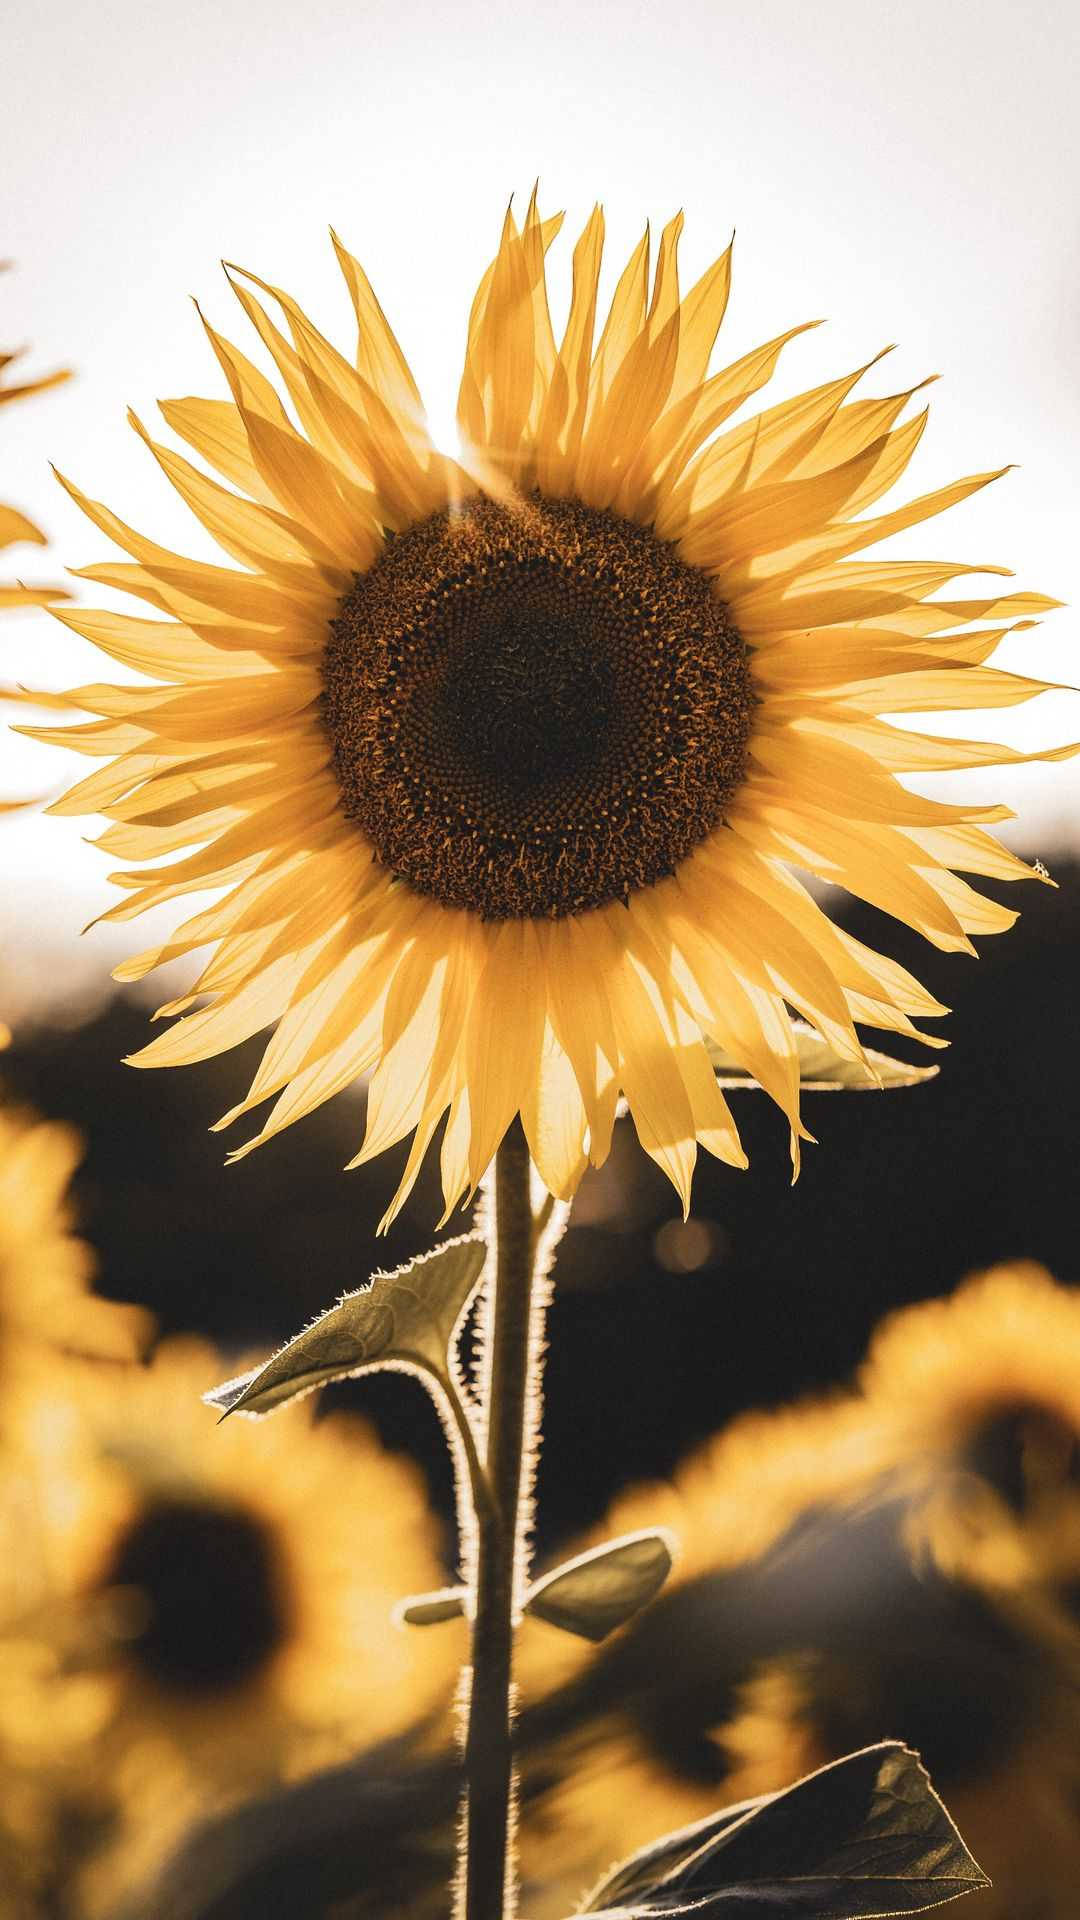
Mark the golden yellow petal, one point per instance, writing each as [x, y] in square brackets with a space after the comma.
[164, 649]
[553, 1116]
[379, 358]
[502, 1057]
[255, 535]
[562, 417]
[215, 430]
[581, 1020]
[872, 862]
[15, 526]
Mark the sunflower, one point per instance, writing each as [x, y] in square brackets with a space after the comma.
[957, 1399]
[45, 1268]
[227, 1615]
[503, 760]
[47, 1317]
[1007, 1340]
[981, 1393]
[14, 526]
[731, 1501]
[843, 1563]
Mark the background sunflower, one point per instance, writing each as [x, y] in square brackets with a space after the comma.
[219, 1615]
[16, 527]
[906, 1554]
[46, 1269]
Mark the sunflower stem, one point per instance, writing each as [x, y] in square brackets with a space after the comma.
[513, 1321]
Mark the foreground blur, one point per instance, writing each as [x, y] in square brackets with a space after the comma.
[901, 1559]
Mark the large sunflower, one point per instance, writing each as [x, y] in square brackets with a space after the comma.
[504, 761]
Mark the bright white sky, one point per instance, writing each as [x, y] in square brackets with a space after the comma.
[911, 173]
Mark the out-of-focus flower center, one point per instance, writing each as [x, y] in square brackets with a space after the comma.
[1023, 1449]
[534, 709]
[211, 1606]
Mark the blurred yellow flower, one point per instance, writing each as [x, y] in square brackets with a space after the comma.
[48, 1316]
[14, 526]
[45, 1269]
[981, 1393]
[1006, 1342]
[218, 1601]
[962, 1435]
[503, 759]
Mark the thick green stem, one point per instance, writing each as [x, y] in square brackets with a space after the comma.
[514, 1317]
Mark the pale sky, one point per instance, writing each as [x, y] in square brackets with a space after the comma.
[912, 174]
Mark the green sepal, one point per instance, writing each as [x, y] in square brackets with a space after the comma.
[404, 1319]
[597, 1591]
[865, 1838]
[823, 1070]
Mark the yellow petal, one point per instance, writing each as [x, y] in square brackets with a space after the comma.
[502, 1044]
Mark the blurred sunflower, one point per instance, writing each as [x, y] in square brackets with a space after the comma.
[14, 526]
[503, 759]
[45, 1268]
[728, 1506]
[904, 1556]
[1007, 1341]
[981, 1393]
[224, 1616]
[47, 1317]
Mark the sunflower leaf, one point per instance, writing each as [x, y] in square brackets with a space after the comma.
[597, 1591]
[858, 1840]
[823, 1070]
[406, 1319]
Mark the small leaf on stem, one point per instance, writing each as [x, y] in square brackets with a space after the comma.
[431, 1609]
[823, 1070]
[862, 1839]
[402, 1319]
[597, 1591]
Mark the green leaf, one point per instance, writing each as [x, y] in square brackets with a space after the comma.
[431, 1609]
[823, 1070]
[594, 1593]
[862, 1839]
[405, 1319]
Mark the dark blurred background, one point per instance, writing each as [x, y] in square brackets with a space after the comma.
[768, 1291]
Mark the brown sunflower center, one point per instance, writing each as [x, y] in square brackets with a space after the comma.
[211, 1606]
[534, 709]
